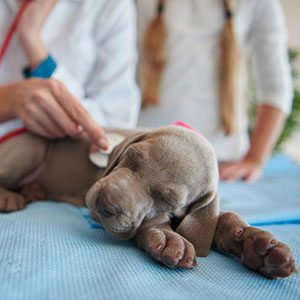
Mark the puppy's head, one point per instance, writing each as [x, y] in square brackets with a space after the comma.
[152, 177]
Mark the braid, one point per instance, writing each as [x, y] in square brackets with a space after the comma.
[155, 60]
[154, 57]
[228, 67]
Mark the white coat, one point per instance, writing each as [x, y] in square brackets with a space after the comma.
[189, 88]
[94, 45]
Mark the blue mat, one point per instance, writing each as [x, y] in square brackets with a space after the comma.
[54, 251]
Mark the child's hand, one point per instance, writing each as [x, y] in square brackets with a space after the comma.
[247, 169]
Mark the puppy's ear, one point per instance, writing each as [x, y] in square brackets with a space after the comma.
[117, 152]
[199, 225]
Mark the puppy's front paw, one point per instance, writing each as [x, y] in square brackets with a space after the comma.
[11, 201]
[169, 248]
[263, 253]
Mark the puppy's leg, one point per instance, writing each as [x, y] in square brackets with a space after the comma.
[258, 249]
[19, 157]
[33, 192]
[167, 247]
[199, 225]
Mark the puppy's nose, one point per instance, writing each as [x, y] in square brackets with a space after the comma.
[106, 210]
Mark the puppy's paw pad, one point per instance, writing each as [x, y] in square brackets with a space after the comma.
[263, 253]
[171, 249]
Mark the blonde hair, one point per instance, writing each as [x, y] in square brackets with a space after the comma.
[155, 59]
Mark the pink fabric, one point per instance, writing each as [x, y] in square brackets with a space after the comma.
[183, 124]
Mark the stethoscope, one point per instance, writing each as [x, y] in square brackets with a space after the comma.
[12, 29]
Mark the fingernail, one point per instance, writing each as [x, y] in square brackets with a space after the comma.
[238, 233]
[79, 128]
[103, 143]
[94, 148]
[159, 246]
[189, 260]
[179, 255]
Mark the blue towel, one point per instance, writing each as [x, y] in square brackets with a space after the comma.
[53, 251]
[49, 251]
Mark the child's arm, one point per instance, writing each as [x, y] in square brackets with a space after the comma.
[268, 126]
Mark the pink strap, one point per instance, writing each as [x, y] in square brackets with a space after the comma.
[183, 124]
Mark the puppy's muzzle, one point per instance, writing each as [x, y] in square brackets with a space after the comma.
[106, 209]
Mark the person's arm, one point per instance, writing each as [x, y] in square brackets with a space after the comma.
[45, 105]
[268, 41]
[29, 30]
[268, 126]
[110, 94]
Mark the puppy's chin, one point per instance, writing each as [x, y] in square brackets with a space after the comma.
[126, 235]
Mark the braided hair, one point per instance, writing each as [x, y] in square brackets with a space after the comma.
[155, 58]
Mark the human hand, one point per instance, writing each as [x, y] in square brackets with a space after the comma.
[48, 109]
[248, 169]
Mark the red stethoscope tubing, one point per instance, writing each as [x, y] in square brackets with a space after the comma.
[3, 50]
[12, 29]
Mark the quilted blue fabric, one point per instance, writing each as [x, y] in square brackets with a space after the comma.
[54, 251]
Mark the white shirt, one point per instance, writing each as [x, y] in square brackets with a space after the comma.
[189, 88]
[94, 45]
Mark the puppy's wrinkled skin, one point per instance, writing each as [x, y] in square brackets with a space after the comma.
[160, 189]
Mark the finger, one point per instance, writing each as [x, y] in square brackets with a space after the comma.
[78, 113]
[226, 170]
[253, 176]
[38, 128]
[35, 117]
[46, 101]
[232, 173]
[47, 121]
[238, 174]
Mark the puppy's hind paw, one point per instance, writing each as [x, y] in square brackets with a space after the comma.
[11, 201]
[263, 253]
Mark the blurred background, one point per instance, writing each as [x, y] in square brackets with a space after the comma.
[291, 144]
[292, 11]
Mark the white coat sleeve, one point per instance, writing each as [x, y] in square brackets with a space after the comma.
[268, 41]
[111, 94]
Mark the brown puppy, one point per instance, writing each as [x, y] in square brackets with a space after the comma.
[160, 189]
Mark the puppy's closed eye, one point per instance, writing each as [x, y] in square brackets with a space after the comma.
[172, 194]
[165, 194]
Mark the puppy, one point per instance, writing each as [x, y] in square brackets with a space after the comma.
[159, 189]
